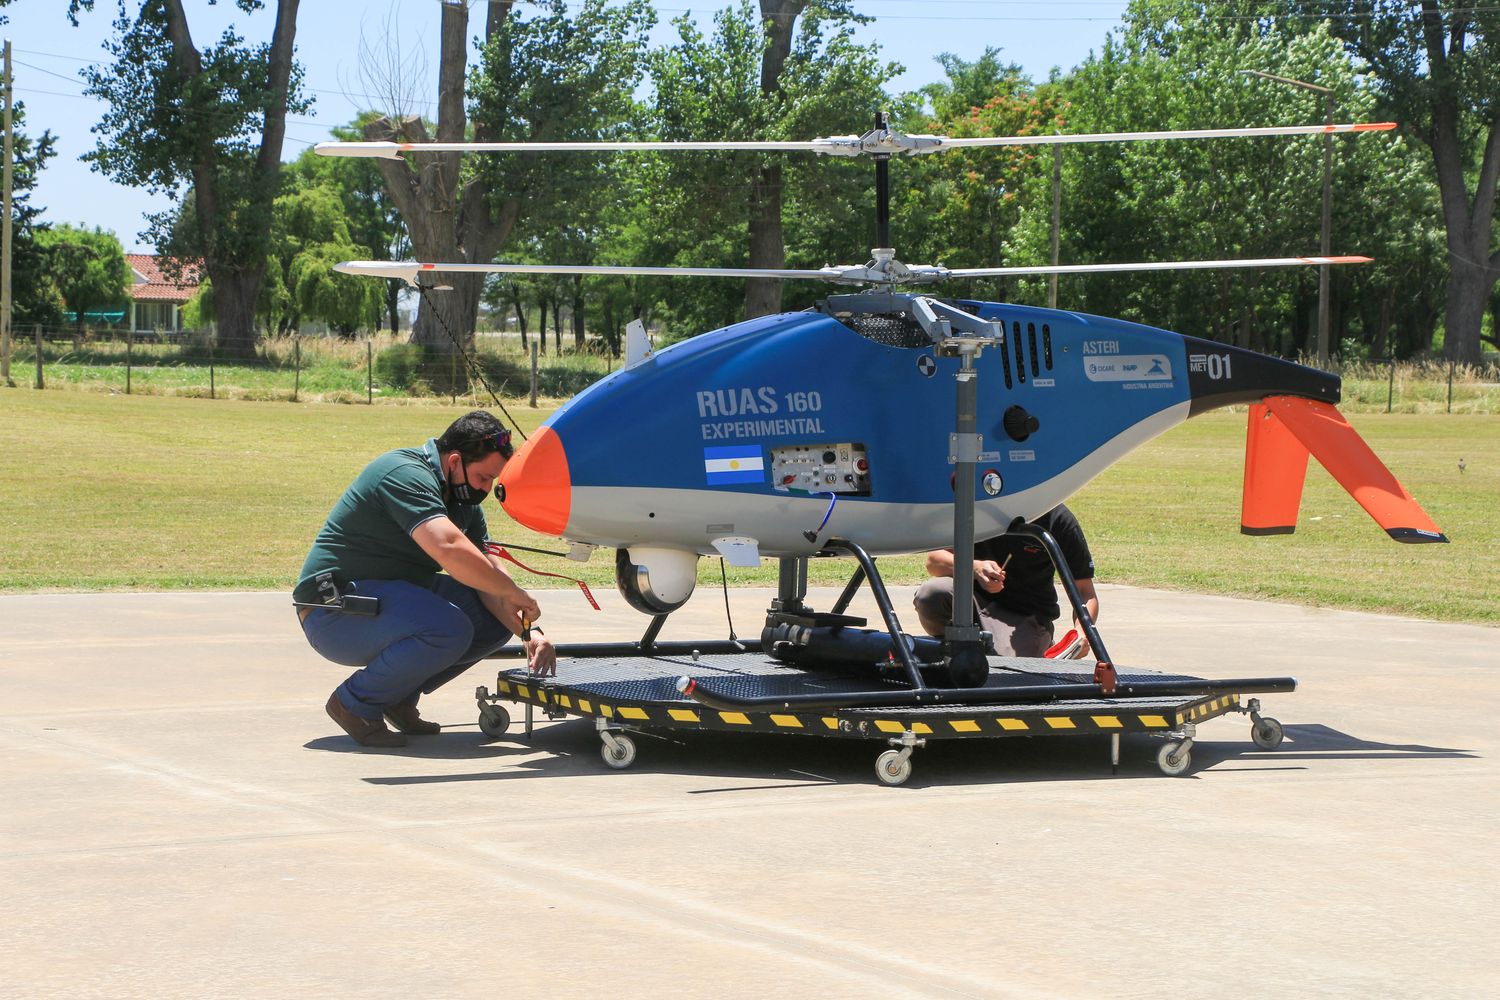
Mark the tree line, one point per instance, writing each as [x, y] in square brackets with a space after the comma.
[208, 120]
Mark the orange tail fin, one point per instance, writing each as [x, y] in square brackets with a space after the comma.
[1290, 428]
[1275, 469]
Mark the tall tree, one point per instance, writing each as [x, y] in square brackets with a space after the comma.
[1436, 65]
[34, 299]
[310, 234]
[214, 119]
[447, 213]
[1168, 67]
[958, 208]
[790, 70]
[87, 269]
[564, 77]
[373, 221]
[549, 76]
[767, 242]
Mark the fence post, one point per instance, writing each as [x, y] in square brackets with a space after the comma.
[40, 383]
[212, 392]
[129, 343]
[1390, 391]
[369, 373]
[296, 364]
[453, 375]
[533, 374]
[1451, 365]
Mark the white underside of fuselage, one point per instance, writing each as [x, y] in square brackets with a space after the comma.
[619, 517]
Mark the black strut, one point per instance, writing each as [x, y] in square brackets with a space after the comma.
[882, 187]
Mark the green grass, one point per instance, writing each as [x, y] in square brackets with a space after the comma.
[1420, 387]
[116, 492]
[1168, 516]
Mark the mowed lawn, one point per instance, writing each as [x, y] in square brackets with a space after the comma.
[137, 492]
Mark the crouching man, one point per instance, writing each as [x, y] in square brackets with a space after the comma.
[1015, 596]
[409, 532]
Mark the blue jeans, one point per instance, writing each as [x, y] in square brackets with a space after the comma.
[421, 640]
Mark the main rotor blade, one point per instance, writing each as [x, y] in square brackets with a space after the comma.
[881, 142]
[393, 150]
[1205, 133]
[888, 272]
[1168, 265]
[408, 270]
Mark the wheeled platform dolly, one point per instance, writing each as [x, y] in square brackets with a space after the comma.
[731, 686]
[625, 695]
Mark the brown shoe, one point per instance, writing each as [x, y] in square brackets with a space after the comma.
[407, 719]
[366, 732]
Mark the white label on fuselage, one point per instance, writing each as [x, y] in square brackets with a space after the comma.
[1128, 368]
[1215, 366]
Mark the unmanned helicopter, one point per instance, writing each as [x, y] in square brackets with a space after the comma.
[888, 420]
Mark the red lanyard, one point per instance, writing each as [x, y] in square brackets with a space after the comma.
[496, 549]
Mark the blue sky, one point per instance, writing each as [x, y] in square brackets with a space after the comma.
[47, 55]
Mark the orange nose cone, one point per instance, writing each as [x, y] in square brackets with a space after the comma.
[538, 492]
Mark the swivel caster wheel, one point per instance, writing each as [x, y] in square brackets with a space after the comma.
[620, 754]
[1267, 733]
[893, 767]
[1173, 758]
[493, 720]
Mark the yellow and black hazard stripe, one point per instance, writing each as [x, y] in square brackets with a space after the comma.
[1040, 720]
[1209, 708]
[668, 715]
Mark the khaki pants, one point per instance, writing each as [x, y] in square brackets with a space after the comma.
[1015, 635]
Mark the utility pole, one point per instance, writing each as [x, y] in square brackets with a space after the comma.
[1323, 245]
[5, 302]
[1056, 219]
[1324, 236]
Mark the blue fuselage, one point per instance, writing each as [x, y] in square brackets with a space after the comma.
[681, 449]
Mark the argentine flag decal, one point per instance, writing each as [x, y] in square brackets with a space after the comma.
[740, 464]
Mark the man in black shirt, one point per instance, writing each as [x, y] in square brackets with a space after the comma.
[1014, 592]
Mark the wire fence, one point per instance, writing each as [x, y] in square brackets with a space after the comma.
[294, 368]
[367, 368]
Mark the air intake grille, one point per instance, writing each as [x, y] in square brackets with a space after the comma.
[891, 329]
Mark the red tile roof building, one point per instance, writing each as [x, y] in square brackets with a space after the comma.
[156, 299]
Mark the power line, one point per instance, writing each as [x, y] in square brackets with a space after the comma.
[69, 79]
[375, 98]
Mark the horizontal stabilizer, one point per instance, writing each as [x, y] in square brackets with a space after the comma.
[1275, 469]
[1322, 430]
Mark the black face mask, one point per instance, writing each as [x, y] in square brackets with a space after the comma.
[461, 492]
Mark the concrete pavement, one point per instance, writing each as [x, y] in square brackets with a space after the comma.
[180, 819]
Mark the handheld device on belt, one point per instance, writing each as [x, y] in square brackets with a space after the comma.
[348, 604]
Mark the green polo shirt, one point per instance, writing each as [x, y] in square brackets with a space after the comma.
[368, 534]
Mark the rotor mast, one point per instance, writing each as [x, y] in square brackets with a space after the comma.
[883, 186]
